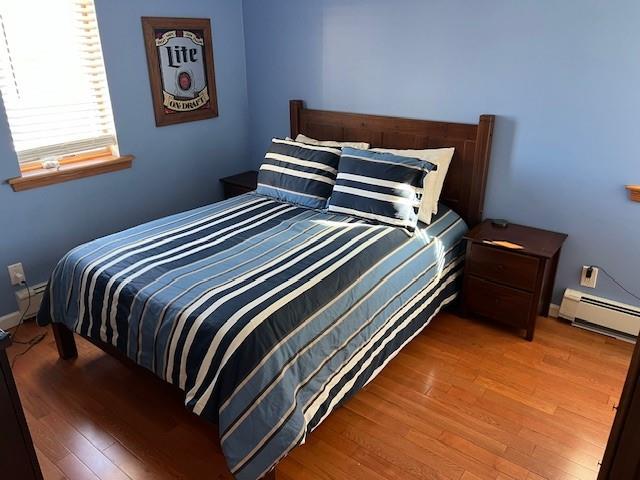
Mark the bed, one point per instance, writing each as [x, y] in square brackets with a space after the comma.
[269, 315]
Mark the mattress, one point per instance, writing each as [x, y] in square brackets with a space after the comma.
[266, 314]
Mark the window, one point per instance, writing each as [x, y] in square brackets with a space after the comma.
[53, 81]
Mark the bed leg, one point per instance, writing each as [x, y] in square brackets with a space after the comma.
[64, 341]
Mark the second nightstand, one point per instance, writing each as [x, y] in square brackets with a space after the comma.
[510, 285]
[238, 184]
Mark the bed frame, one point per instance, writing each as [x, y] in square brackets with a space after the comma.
[463, 190]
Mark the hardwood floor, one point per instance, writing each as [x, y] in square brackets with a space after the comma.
[463, 401]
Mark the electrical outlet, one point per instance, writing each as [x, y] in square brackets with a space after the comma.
[16, 273]
[589, 277]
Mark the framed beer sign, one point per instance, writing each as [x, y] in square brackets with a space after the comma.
[180, 60]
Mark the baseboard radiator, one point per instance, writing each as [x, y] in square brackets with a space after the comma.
[601, 315]
[26, 307]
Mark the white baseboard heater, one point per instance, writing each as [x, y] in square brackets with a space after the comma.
[31, 307]
[601, 315]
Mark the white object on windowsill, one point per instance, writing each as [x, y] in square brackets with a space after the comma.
[50, 163]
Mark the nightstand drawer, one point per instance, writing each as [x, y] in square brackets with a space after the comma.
[513, 269]
[498, 302]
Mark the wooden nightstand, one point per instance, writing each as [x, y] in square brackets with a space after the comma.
[238, 184]
[512, 286]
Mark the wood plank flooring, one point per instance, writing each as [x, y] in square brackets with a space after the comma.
[464, 401]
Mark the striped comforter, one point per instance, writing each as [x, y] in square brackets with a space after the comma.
[268, 315]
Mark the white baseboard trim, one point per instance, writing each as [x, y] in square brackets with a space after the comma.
[9, 321]
[554, 310]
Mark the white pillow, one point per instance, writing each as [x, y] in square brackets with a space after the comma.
[330, 143]
[433, 182]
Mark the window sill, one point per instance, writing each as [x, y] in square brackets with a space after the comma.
[42, 177]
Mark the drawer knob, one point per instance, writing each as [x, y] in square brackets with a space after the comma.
[500, 267]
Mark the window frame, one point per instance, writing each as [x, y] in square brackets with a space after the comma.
[94, 160]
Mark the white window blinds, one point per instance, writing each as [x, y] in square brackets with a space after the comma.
[52, 78]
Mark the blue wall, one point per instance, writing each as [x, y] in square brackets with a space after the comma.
[562, 77]
[176, 167]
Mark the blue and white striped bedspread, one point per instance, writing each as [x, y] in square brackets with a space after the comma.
[268, 315]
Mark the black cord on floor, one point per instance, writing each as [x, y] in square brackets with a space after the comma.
[617, 282]
[32, 342]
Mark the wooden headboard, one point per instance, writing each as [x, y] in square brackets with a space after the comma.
[467, 178]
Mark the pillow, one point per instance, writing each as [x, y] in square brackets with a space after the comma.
[331, 143]
[379, 186]
[297, 173]
[434, 182]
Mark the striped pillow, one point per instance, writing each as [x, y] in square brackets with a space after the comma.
[379, 186]
[297, 173]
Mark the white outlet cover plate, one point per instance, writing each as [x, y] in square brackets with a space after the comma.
[16, 273]
[589, 282]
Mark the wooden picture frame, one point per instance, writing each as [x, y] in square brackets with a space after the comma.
[181, 69]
